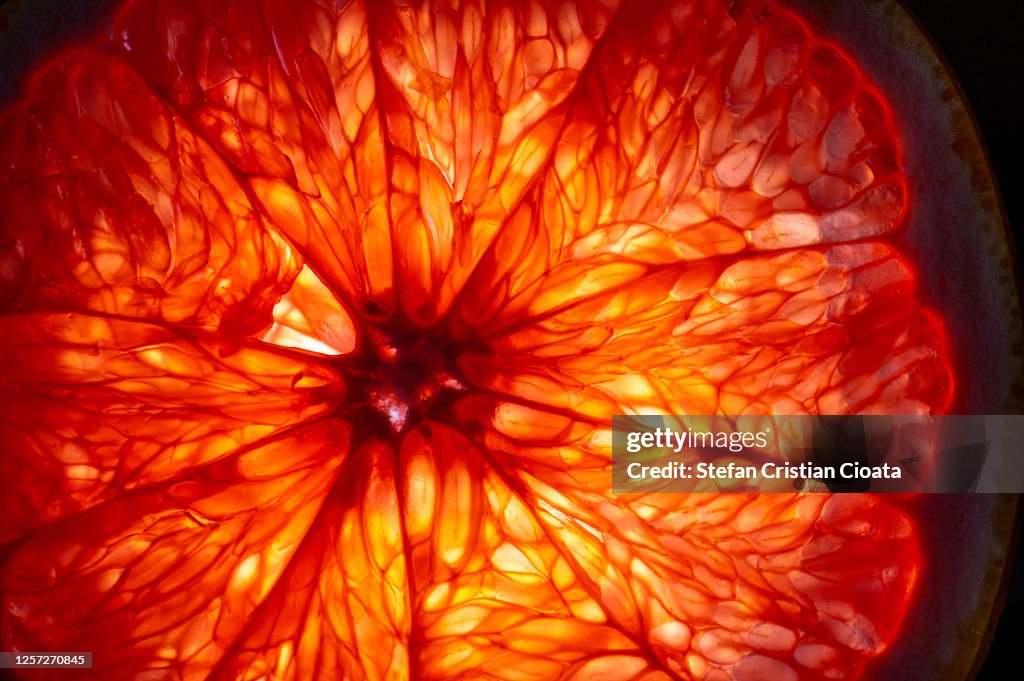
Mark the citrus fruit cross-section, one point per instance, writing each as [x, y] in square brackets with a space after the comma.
[316, 315]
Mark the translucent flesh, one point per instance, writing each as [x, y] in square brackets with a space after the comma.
[209, 221]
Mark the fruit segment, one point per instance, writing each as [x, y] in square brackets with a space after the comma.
[95, 408]
[316, 314]
[341, 609]
[692, 135]
[704, 582]
[476, 98]
[112, 204]
[286, 92]
[830, 331]
[166, 578]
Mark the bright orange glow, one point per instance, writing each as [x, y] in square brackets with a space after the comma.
[316, 314]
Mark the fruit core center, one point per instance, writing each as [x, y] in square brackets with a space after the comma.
[406, 379]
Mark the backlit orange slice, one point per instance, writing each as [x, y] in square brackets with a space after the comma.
[316, 314]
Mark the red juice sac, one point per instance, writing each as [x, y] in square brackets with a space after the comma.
[316, 315]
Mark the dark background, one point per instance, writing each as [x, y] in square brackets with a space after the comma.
[983, 42]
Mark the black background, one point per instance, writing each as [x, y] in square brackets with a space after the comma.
[983, 42]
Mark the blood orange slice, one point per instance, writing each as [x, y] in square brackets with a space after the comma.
[317, 314]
